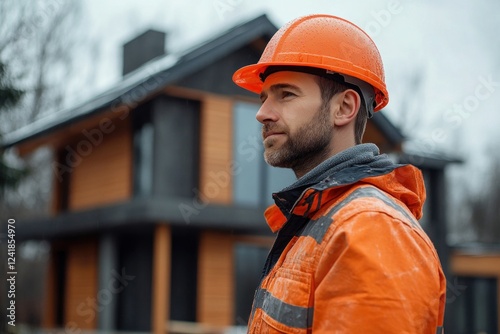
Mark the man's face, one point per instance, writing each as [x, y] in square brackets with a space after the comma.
[297, 131]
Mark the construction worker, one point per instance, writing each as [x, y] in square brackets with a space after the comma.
[350, 255]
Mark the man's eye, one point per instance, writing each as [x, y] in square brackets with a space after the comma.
[286, 94]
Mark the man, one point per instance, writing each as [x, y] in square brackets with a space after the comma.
[350, 255]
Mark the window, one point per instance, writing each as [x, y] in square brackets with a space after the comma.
[60, 260]
[426, 219]
[134, 302]
[476, 308]
[183, 274]
[249, 261]
[254, 180]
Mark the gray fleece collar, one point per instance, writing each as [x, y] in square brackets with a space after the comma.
[350, 165]
[363, 154]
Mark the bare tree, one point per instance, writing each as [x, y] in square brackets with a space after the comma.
[41, 43]
[410, 115]
[9, 96]
[484, 209]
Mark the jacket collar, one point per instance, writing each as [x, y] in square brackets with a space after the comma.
[305, 200]
[303, 197]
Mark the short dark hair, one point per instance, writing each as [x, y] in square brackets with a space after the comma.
[328, 89]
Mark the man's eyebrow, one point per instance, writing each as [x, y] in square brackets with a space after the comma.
[276, 87]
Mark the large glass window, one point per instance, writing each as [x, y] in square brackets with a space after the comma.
[254, 181]
[249, 261]
[474, 300]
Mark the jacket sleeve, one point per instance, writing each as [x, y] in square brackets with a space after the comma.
[378, 274]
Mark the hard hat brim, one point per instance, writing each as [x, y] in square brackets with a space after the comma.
[248, 77]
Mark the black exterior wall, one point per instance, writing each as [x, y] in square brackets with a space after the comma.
[176, 124]
[184, 270]
[216, 78]
[134, 300]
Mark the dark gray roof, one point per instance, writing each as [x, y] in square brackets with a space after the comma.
[477, 248]
[149, 79]
[427, 159]
[392, 133]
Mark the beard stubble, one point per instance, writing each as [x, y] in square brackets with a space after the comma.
[305, 148]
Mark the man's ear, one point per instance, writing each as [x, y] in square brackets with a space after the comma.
[349, 103]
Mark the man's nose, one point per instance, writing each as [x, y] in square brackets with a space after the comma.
[267, 112]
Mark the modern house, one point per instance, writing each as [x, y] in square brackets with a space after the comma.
[159, 190]
[474, 291]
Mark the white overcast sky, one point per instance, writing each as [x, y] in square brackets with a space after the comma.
[450, 46]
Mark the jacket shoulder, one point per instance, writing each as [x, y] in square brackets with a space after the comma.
[361, 199]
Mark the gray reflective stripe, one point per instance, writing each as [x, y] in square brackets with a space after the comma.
[284, 313]
[440, 330]
[317, 228]
[256, 298]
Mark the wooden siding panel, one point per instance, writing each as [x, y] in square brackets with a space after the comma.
[161, 278]
[216, 279]
[49, 301]
[105, 175]
[498, 304]
[373, 135]
[478, 265]
[55, 204]
[60, 137]
[81, 285]
[216, 150]
[486, 265]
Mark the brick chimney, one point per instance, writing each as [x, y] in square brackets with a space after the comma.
[142, 49]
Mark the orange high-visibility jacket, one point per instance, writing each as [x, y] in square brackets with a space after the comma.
[352, 258]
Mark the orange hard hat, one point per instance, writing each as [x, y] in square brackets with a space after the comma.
[322, 42]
